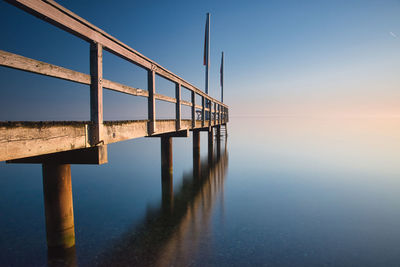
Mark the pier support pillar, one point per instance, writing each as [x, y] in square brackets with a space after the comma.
[210, 145]
[59, 212]
[167, 188]
[218, 128]
[166, 158]
[196, 153]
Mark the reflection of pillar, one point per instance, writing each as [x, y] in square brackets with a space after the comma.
[210, 145]
[196, 153]
[218, 141]
[62, 257]
[167, 194]
[166, 158]
[58, 206]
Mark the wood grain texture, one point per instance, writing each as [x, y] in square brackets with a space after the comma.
[61, 17]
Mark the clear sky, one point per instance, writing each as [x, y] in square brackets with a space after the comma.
[314, 58]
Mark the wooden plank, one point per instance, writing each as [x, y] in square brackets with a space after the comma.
[178, 106]
[165, 98]
[186, 103]
[151, 101]
[193, 96]
[92, 155]
[18, 62]
[180, 133]
[96, 93]
[25, 139]
[70, 22]
[124, 88]
[28, 139]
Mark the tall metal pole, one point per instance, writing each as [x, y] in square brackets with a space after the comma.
[207, 44]
[222, 77]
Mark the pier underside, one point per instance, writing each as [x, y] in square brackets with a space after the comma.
[29, 139]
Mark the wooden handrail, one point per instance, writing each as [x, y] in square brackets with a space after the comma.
[18, 62]
[55, 14]
[63, 18]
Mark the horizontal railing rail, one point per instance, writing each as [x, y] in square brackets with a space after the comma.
[63, 18]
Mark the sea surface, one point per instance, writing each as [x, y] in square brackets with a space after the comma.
[282, 191]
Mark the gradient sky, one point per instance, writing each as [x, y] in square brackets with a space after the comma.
[312, 58]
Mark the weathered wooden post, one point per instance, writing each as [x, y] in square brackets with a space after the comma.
[210, 114]
[96, 93]
[193, 97]
[196, 153]
[215, 113]
[59, 211]
[151, 103]
[178, 106]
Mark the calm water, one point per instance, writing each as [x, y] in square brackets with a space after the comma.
[286, 192]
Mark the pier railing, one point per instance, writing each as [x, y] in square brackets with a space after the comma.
[99, 40]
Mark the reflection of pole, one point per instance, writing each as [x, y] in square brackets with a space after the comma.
[59, 211]
[196, 153]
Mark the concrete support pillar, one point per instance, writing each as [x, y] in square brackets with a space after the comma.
[210, 145]
[196, 153]
[167, 190]
[59, 211]
[218, 128]
[166, 158]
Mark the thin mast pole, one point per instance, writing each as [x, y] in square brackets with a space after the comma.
[207, 50]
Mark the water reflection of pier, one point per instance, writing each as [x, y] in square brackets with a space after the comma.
[170, 234]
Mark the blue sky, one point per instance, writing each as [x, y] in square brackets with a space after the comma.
[310, 58]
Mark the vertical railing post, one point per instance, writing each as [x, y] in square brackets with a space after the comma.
[219, 114]
[203, 111]
[215, 113]
[96, 93]
[151, 101]
[178, 105]
[224, 114]
[193, 109]
[210, 113]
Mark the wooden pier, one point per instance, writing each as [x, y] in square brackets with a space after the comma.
[57, 144]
